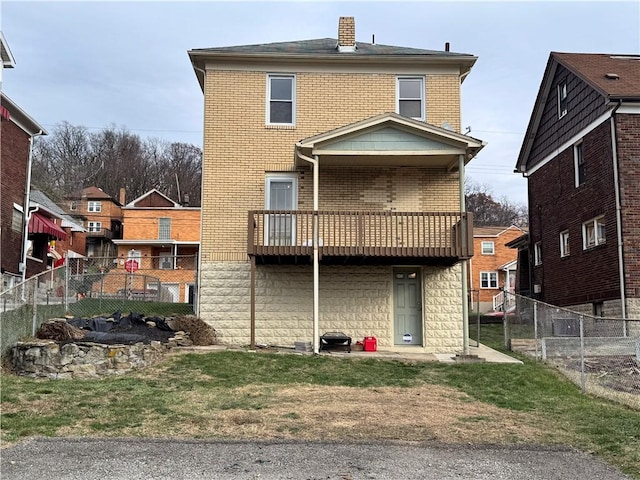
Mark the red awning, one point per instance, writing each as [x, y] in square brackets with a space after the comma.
[42, 224]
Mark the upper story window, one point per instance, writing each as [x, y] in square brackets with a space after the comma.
[94, 207]
[488, 248]
[564, 243]
[73, 206]
[95, 226]
[593, 233]
[562, 99]
[164, 229]
[410, 97]
[537, 253]
[281, 95]
[578, 161]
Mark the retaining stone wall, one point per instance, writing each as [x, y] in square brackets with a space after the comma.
[48, 359]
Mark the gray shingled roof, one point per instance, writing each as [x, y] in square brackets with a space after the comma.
[324, 46]
[36, 196]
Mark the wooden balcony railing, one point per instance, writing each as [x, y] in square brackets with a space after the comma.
[102, 232]
[382, 234]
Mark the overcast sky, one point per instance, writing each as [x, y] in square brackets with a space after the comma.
[125, 64]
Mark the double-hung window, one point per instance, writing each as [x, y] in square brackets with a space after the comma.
[564, 243]
[410, 97]
[537, 253]
[281, 99]
[94, 207]
[593, 233]
[95, 226]
[562, 99]
[488, 248]
[488, 279]
[578, 161]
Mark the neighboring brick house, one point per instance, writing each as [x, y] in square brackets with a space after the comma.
[74, 245]
[163, 237]
[361, 140]
[580, 157]
[493, 266]
[18, 131]
[102, 218]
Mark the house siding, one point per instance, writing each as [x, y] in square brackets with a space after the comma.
[584, 105]
[14, 153]
[557, 205]
[354, 300]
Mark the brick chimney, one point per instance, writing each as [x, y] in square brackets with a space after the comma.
[122, 196]
[347, 34]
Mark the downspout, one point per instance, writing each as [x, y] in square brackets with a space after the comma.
[199, 266]
[616, 184]
[316, 263]
[26, 214]
[465, 303]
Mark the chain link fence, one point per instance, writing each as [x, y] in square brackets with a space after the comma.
[86, 287]
[601, 355]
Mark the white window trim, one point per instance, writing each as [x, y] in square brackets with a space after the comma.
[94, 204]
[293, 98]
[578, 147]
[562, 95]
[537, 253]
[597, 239]
[564, 244]
[94, 227]
[423, 102]
[489, 275]
[493, 248]
[281, 177]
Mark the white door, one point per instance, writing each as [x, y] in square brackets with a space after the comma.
[280, 229]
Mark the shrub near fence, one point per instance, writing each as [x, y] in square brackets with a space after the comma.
[88, 287]
[602, 355]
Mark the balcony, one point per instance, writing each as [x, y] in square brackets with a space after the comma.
[360, 237]
[100, 233]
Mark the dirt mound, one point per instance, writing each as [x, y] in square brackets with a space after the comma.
[129, 329]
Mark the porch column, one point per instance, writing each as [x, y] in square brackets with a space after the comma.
[465, 303]
[316, 262]
[252, 327]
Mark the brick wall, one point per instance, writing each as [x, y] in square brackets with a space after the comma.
[143, 224]
[555, 205]
[491, 263]
[239, 148]
[14, 152]
[628, 138]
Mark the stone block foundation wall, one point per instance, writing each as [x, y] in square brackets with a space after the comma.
[46, 358]
[356, 300]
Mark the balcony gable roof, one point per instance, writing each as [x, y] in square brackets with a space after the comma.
[391, 139]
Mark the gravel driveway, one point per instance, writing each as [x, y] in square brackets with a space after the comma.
[132, 459]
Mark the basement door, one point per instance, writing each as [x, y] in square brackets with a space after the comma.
[407, 306]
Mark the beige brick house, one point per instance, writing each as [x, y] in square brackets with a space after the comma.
[333, 193]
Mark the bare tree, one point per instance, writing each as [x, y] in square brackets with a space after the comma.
[71, 158]
[487, 211]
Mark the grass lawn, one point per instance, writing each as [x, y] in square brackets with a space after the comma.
[242, 395]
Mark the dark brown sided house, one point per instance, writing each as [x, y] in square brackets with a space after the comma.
[580, 157]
